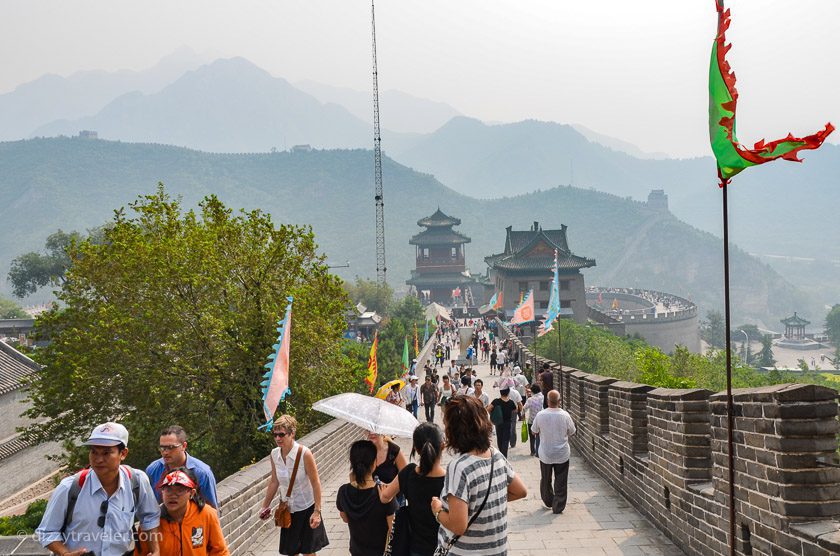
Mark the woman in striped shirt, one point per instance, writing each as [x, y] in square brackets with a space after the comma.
[468, 480]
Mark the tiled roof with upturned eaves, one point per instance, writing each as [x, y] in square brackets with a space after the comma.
[795, 320]
[14, 367]
[439, 236]
[438, 219]
[518, 245]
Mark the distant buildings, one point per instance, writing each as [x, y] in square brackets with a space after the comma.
[87, 134]
[440, 274]
[527, 263]
[658, 200]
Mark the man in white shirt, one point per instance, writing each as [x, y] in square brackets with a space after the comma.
[411, 394]
[554, 427]
[516, 398]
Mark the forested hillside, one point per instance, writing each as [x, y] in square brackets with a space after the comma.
[75, 184]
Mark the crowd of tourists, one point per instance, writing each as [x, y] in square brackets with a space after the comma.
[391, 506]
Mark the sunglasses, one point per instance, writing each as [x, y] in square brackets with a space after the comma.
[168, 448]
[103, 510]
[279, 435]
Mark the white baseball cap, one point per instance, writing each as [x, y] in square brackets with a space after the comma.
[108, 434]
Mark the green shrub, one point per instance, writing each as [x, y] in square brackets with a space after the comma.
[24, 524]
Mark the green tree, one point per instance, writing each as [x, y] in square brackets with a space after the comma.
[764, 358]
[171, 319]
[832, 325]
[376, 297]
[31, 271]
[713, 329]
[11, 310]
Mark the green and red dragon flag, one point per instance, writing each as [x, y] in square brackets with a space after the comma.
[731, 156]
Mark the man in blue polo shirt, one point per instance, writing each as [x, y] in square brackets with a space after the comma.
[173, 451]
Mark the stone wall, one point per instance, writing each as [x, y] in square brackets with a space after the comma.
[666, 452]
[241, 494]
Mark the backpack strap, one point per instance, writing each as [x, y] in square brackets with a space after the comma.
[79, 482]
[73, 495]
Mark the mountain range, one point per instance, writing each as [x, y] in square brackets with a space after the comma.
[782, 212]
[53, 97]
[75, 184]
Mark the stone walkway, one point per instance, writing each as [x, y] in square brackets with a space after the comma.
[597, 520]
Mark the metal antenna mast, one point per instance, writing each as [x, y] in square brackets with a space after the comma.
[377, 164]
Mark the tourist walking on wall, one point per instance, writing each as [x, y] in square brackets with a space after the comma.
[472, 508]
[295, 474]
[412, 395]
[447, 390]
[502, 410]
[546, 382]
[533, 405]
[173, 451]
[429, 397]
[554, 426]
[94, 510]
[394, 395]
[188, 525]
[358, 502]
[419, 484]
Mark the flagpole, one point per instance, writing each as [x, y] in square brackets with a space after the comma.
[730, 409]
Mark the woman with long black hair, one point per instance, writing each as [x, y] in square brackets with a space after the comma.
[358, 502]
[419, 484]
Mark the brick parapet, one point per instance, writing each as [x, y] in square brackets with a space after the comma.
[666, 452]
[241, 494]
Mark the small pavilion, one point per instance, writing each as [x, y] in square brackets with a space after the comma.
[795, 327]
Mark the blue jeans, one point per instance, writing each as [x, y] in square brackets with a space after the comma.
[414, 406]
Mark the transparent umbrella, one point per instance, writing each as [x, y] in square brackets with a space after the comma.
[370, 413]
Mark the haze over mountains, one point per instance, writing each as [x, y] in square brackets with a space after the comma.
[231, 105]
[52, 97]
[75, 184]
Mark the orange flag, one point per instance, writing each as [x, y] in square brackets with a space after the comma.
[373, 369]
[525, 312]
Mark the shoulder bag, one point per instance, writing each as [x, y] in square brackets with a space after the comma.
[282, 515]
[443, 549]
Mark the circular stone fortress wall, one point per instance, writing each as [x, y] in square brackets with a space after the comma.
[664, 320]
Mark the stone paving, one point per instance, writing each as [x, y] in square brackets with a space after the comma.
[597, 520]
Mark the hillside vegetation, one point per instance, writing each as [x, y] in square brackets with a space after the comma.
[75, 184]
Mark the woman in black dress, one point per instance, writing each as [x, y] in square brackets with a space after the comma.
[419, 484]
[358, 502]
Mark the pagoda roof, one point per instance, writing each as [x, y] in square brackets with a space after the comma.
[795, 320]
[438, 219]
[440, 279]
[533, 250]
[439, 236]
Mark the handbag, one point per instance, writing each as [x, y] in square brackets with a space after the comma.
[524, 431]
[443, 549]
[496, 416]
[282, 515]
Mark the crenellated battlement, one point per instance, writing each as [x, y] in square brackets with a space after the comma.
[665, 450]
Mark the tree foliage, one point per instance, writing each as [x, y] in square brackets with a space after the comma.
[376, 297]
[11, 310]
[764, 357]
[595, 350]
[713, 329]
[832, 325]
[171, 318]
[31, 271]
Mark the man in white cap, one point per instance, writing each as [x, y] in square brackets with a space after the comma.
[94, 510]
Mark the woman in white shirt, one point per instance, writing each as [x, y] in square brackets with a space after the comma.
[307, 534]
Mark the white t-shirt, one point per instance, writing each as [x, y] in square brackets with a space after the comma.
[555, 426]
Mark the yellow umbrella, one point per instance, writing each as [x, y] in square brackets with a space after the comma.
[383, 392]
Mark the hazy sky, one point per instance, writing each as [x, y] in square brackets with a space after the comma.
[633, 69]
